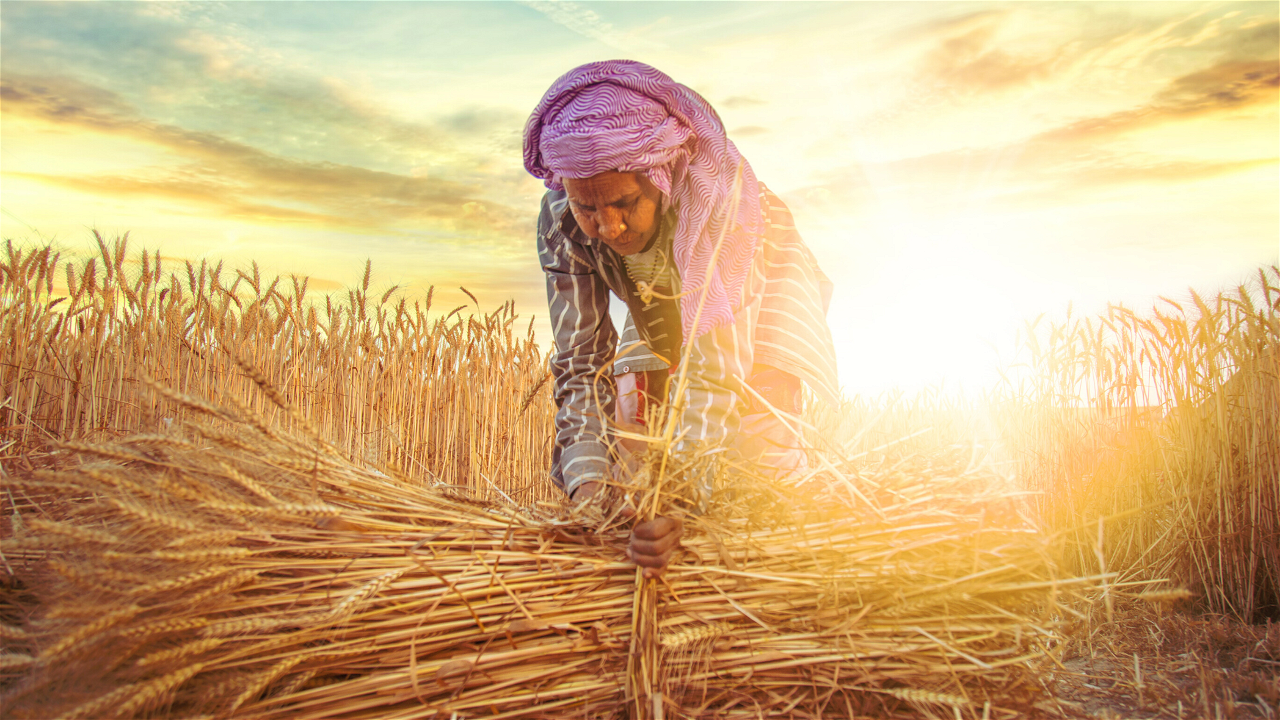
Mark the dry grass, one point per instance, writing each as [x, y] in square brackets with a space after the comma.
[450, 399]
[1155, 440]
[360, 525]
[261, 574]
[1157, 660]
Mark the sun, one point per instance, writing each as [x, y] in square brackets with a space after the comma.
[937, 313]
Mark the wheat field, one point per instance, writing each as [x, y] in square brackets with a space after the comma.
[226, 496]
[452, 398]
[1155, 441]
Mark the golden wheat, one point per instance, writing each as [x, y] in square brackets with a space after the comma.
[418, 596]
[327, 539]
[377, 375]
[1165, 428]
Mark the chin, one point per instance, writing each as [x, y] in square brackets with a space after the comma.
[632, 247]
[627, 248]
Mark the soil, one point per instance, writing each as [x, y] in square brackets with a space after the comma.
[1157, 662]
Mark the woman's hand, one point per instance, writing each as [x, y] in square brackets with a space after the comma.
[653, 542]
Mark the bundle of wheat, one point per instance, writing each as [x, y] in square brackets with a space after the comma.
[236, 570]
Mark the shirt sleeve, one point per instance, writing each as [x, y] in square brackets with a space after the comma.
[585, 339]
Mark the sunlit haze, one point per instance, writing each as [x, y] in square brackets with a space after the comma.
[957, 168]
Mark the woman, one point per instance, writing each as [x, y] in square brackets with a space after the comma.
[641, 181]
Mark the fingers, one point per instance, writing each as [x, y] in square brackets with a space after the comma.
[652, 564]
[658, 528]
[650, 553]
[654, 542]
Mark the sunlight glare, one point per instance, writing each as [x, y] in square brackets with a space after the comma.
[933, 315]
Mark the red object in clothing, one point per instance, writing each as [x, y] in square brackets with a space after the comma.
[778, 388]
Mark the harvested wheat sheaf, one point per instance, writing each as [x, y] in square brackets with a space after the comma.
[269, 577]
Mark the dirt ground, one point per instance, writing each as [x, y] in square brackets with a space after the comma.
[1167, 662]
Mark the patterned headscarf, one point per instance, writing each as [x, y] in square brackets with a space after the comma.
[627, 116]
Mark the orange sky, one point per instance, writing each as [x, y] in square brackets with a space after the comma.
[955, 167]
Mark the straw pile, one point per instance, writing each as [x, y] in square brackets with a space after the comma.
[234, 570]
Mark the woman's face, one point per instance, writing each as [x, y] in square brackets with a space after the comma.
[619, 209]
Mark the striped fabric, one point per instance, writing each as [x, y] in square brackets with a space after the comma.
[793, 334]
[655, 265]
[627, 116]
[778, 320]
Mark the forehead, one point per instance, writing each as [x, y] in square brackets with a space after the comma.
[607, 187]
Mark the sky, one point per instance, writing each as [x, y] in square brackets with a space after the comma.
[957, 168]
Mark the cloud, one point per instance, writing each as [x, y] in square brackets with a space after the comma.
[1161, 172]
[933, 30]
[969, 62]
[1222, 89]
[243, 181]
[1227, 85]
[1027, 175]
[64, 101]
[251, 88]
[212, 195]
[993, 51]
[1257, 39]
[742, 101]
[963, 55]
[322, 285]
[1060, 166]
[475, 121]
[588, 23]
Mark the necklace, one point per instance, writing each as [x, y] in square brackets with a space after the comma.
[647, 292]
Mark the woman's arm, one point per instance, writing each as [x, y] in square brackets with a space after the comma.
[585, 341]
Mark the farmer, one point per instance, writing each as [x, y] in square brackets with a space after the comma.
[641, 179]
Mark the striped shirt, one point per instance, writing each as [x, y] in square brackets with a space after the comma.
[779, 320]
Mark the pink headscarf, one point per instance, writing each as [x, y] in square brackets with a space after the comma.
[627, 116]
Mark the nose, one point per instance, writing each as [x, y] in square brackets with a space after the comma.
[609, 224]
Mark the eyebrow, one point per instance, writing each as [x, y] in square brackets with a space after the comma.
[627, 199]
